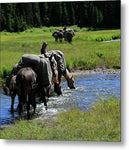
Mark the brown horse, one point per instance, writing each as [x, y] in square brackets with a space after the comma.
[61, 68]
[26, 85]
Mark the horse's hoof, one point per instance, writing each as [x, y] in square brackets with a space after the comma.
[46, 107]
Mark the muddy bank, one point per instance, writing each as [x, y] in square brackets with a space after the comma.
[97, 71]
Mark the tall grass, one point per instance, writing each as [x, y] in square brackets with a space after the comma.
[101, 123]
[85, 52]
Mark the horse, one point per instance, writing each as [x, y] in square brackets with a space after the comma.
[58, 35]
[68, 35]
[45, 68]
[61, 67]
[26, 85]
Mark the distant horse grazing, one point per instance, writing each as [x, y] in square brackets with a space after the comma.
[26, 85]
[68, 35]
[58, 35]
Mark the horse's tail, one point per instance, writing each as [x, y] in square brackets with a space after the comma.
[23, 88]
[22, 81]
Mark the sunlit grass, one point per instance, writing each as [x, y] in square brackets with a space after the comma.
[101, 123]
[85, 52]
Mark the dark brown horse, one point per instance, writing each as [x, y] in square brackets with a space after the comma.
[26, 85]
[58, 35]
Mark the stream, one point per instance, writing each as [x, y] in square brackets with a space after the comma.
[88, 90]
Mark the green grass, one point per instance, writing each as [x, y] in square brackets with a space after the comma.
[85, 52]
[101, 123]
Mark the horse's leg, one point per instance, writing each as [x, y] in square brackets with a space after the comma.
[49, 90]
[28, 106]
[12, 104]
[20, 104]
[43, 98]
[60, 40]
[59, 79]
[33, 102]
[45, 103]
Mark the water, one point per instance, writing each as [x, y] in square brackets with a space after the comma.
[88, 90]
[110, 41]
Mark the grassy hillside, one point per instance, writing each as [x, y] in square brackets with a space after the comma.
[85, 52]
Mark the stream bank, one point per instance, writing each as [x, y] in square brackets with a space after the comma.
[91, 85]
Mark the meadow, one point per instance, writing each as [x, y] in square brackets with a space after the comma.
[101, 123]
[85, 52]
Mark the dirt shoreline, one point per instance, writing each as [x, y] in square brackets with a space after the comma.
[84, 73]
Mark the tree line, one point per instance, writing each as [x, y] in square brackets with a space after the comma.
[16, 17]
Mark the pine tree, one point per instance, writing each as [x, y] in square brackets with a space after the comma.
[65, 14]
[60, 14]
[73, 19]
[9, 16]
[19, 16]
[44, 14]
[29, 14]
[36, 15]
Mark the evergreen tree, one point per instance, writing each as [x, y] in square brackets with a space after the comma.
[71, 13]
[19, 16]
[65, 15]
[60, 14]
[29, 14]
[73, 19]
[36, 15]
[9, 17]
[44, 14]
[54, 14]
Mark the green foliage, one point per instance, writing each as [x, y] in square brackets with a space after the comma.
[17, 17]
[88, 52]
[101, 123]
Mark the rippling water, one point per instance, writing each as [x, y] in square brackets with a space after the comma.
[88, 90]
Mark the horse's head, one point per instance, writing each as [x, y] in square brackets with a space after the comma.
[71, 83]
[8, 79]
[10, 86]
